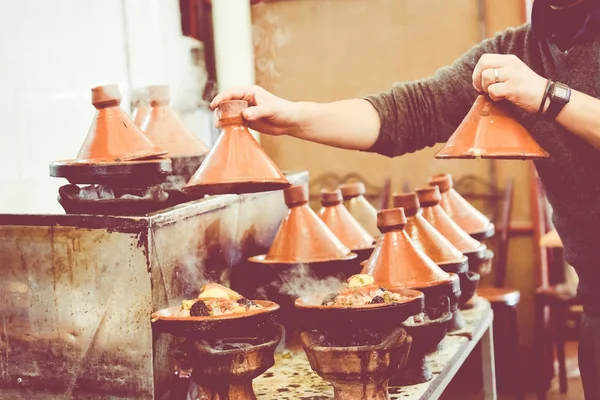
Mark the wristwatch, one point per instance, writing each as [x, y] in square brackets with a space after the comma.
[560, 94]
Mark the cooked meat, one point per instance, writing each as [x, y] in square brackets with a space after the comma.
[377, 300]
[199, 309]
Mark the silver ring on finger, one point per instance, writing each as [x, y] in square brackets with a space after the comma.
[496, 75]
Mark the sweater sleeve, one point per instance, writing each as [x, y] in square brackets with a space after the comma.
[422, 113]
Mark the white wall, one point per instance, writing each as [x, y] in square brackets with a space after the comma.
[52, 52]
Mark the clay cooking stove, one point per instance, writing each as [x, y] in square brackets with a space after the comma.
[357, 349]
[220, 356]
[122, 169]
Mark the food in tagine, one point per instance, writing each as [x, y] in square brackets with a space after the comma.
[216, 300]
[359, 291]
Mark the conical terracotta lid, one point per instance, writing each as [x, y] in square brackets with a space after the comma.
[164, 127]
[424, 235]
[113, 136]
[488, 131]
[342, 223]
[140, 105]
[470, 219]
[429, 198]
[302, 236]
[396, 261]
[359, 206]
[236, 163]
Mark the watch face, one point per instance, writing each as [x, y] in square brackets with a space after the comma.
[560, 93]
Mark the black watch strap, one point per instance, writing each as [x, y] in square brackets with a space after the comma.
[560, 94]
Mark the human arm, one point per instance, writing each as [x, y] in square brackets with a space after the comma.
[349, 124]
[409, 117]
[520, 85]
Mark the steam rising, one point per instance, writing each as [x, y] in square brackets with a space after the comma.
[269, 35]
[299, 281]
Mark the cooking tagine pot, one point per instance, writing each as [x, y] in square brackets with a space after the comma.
[302, 236]
[359, 207]
[397, 264]
[236, 163]
[113, 136]
[356, 325]
[358, 372]
[164, 128]
[435, 245]
[460, 210]
[343, 225]
[230, 325]
[304, 253]
[480, 257]
[489, 131]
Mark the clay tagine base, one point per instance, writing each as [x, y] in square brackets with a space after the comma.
[426, 337]
[224, 368]
[127, 174]
[358, 372]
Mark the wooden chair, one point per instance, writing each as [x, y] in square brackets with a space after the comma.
[379, 196]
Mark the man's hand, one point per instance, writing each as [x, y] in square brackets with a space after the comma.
[267, 113]
[506, 77]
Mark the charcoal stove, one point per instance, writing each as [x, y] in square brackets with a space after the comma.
[221, 355]
[118, 170]
[360, 371]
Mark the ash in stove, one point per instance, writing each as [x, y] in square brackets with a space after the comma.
[96, 192]
[239, 343]
[106, 192]
[360, 337]
[232, 346]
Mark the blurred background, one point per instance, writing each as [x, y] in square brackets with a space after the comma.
[52, 52]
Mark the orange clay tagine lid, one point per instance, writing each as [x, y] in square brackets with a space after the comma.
[424, 235]
[164, 127]
[429, 198]
[140, 105]
[488, 131]
[359, 206]
[113, 136]
[237, 163]
[396, 261]
[470, 219]
[302, 236]
[342, 223]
